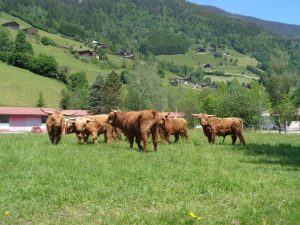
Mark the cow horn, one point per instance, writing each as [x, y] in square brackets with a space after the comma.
[66, 114]
[113, 110]
[47, 112]
[211, 115]
[195, 115]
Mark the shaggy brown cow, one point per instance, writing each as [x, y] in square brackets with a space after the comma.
[55, 125]
[90, 125]
[213, 126]
[173, 126]
[138, 125]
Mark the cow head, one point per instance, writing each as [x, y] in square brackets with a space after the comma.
[70, 126]
[112, 117]
[163, 124]
[203, 118]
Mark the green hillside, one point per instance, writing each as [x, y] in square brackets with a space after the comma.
[224, 64]
[63, 56]
[21, 88]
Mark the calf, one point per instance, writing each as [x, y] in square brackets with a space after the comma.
[173, 126]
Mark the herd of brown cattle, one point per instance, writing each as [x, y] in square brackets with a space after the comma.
[138, 125]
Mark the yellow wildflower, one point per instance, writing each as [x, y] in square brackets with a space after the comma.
[7, 213]
[192, 215]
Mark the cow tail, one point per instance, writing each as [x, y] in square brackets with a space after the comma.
[242, 124]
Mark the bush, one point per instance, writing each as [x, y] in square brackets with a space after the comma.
[48, 41]
[218, 54]
[46, 66]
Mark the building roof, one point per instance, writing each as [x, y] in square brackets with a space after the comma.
[33, 111]
[14, 23]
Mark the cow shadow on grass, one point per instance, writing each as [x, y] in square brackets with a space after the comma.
[283, 154]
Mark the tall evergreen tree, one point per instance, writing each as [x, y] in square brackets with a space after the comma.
[21, 44]
[112, 91]
[40, 101]
[5, 45]
[65, 99]
[96, 96]
[78, 86]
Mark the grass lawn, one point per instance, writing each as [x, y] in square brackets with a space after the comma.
[109, 184]
[20, 87]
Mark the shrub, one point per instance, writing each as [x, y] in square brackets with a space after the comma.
[48, 41]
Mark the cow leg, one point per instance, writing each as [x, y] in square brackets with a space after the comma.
[145, 141]
[95, 138]
[186, 136]
[223, 139]
[107, 138]
[213, 138]
[131, 139]
[138, 142]
[154, 132]
[168, 137]
[176, 138]
[234, 137]
[52, 140]
[209, 139]
[79, 138]
[85, 138]
[57, 139]
[242, 140]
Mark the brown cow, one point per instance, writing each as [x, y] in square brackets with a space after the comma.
[90, 125]
[173, 126]
[55, 125]
[138, 125]
[213, 126]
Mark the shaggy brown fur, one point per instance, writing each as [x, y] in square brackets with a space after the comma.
[173, 126]
[138, 125]
[213, 126]
[90, 125]
[55, 125]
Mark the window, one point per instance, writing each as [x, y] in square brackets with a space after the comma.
[44, 119]
[4, 119]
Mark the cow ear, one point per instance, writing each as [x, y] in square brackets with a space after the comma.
[89, 120]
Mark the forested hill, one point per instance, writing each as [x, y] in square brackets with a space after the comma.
[152, 26]
[289, 31]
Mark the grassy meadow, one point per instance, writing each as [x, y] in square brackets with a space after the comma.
[69, 183]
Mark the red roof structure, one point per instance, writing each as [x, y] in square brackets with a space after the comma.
[33, 111]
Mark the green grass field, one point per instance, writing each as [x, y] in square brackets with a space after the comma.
[20, 87]
[109, 184]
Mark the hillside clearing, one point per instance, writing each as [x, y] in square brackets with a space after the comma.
[20, 87]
